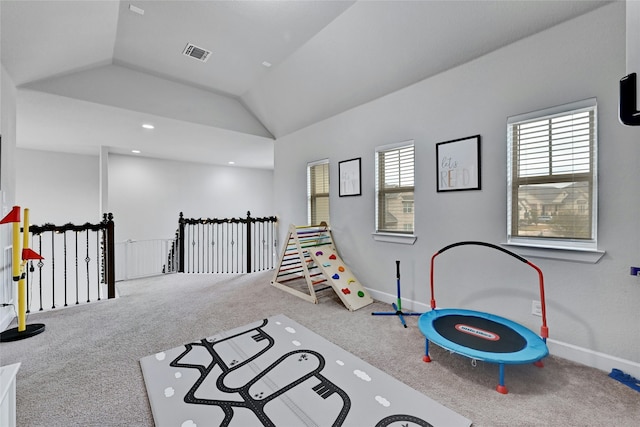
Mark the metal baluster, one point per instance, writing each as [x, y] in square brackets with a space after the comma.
[234, 247]
[252, 250]
[98, 262]
[29, 288]
[263, 241]
[40, 265]
[215, 246]
[272, 246]
[261, 246]
[86, 262]
[64, 233]
[227, 249]
[208, 244]
[77, 277]
[53, 271]
[202, 249]
[256, 248]
[257, 234]
[218, 243]
[193, 246]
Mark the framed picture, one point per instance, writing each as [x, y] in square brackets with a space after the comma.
[458, 166]
[349, 174]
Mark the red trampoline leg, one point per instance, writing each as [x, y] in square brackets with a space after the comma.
[426, 357]
[501, 387]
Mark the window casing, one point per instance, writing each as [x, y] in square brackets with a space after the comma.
[318, 192]
[395, 188]
[552, 177]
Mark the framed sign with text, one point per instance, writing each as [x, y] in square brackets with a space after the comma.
[458, 164]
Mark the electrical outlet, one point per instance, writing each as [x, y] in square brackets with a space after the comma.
[536, 308]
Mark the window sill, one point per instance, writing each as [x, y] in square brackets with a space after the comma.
[404, 239]
[588, 256]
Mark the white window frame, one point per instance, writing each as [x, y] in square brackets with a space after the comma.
[310, 194]
[400, 236]
[545, 243]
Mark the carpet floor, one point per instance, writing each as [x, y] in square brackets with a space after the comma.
[84, 369]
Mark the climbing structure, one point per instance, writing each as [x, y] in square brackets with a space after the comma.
[310, 263]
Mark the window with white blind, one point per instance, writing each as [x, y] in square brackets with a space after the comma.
[395, 188]
[552, 177]
[318, 192]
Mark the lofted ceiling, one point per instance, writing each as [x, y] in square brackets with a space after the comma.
[90, 73]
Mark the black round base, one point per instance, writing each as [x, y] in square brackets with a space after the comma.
[14, 335]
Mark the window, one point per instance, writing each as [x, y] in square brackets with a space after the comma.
[552, 177]
[318, 192]
[395, 188]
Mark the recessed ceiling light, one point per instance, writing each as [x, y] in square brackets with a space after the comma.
[136, 151]
[232, 163]
[135, 9]
[148, 126]
[267, 64]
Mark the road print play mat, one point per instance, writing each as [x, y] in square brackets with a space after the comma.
[276, 372]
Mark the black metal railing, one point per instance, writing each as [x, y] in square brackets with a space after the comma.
[228, 245]
[79, 261]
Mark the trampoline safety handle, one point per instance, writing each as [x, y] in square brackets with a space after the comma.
[544, 330]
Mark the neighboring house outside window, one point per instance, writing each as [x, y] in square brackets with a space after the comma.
[552, 177]
[395, 188]
[318, 192]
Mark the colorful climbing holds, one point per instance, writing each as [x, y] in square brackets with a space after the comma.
[318, 253]
[360, 294]
[326, 264]
[341, 269]
[335, 276]
[351, 281]
[332, 256]
[346, 291]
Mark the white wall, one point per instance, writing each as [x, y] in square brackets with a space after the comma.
[8, 133]
[58, 188]
[7, 191]
[147, 195]
[589, 305]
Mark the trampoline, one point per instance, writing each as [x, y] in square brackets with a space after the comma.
[484, 336]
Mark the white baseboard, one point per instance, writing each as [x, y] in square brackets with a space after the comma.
[584, 356]
[594, 359]
[407, 305]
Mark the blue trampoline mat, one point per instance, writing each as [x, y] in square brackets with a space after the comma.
[482, 336]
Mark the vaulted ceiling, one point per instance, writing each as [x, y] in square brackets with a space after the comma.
[90, 73]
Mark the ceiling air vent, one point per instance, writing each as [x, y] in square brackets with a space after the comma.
[196, 52]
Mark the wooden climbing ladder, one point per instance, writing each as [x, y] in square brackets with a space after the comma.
[310, 263]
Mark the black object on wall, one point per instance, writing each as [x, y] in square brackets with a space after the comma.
[629, 115]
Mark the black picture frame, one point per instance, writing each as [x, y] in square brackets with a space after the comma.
[458, 164]
[350, 177]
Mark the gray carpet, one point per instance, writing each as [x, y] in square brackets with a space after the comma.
[84, 369]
